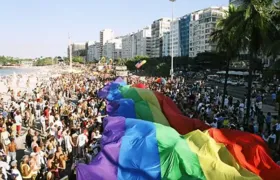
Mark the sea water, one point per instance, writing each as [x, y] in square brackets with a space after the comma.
[11, 70]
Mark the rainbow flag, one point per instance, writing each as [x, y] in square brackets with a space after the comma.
[135, 149]
[180, 147]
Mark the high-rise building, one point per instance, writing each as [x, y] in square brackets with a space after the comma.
[137, 44]
[112, 49]
[184, 23]
[202, 24]
[105, 35]
[166, 42]
[93, 52]
[143, 42]
[175, 34]
[128, 46]
[159, 27]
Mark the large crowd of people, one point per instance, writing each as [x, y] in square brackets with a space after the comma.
[61, 121]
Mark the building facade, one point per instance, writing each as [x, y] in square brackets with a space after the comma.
[202, 24]
[184, 26]
[112, 49]
[159, 27]
[105, 35]
[166, 50]
[143, 42]
[93, 52]
[137, 44]
[128, 46]
[175, 30]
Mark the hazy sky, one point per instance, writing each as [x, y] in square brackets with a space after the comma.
[33, 28]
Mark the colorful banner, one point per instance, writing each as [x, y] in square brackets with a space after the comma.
[147, 137]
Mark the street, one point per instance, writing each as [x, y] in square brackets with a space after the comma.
[238, 91]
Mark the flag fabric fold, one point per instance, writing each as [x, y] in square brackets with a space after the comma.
[180, 147]
[138, 149]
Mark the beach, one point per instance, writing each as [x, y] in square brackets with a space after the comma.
[25, 79]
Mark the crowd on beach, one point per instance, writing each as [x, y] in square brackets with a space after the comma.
[61, 121]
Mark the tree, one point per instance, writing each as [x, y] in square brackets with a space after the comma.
[226, 43]
[78, 59]
[251, 24]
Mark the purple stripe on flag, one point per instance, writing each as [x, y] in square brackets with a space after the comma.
[105, 164]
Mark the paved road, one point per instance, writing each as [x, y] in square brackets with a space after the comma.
[238, 91]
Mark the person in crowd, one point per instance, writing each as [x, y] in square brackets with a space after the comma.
[71, 114]
[12, 148]
[81, 143]
[25, 169]
[28, 139]
[4, 167]
[43, 123]
[15, 173]
[268, 121]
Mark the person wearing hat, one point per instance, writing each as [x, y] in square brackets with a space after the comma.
[14, 171]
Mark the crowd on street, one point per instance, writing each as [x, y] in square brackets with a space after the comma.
[61, 121]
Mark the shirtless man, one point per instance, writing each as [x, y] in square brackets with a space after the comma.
[12, 148]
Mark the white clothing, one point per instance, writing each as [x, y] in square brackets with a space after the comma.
[16, 171]
[5, 167]
[43, 120]
[278, 127]
[18, 120]
[82, 139]
[272, 136]
[51, 119]
[58, 123]
[5, 138]
[99, 119]
[68, 143]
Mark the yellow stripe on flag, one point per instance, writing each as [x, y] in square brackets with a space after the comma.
[215, 160]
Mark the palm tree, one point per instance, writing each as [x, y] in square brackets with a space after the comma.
[251, 25]
[226, 43]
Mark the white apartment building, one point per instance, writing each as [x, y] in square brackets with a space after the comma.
[112, 49]
[202, 24]
[143, 42]
[166, 41]
[93, 52]
[159, 27]
[128, 46]
[137, 44]
[105, 35]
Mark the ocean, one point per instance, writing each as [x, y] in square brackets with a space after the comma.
[11, 70]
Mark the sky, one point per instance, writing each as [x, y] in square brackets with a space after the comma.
[34, 28]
